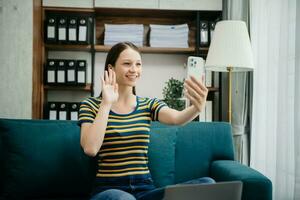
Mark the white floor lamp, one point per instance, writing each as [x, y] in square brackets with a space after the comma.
[230, 51]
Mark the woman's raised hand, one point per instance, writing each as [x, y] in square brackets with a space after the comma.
[110, 92]
[196, 92]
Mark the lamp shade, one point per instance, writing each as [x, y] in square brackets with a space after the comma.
[230, 47]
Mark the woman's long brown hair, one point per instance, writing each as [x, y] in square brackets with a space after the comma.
[114, 54]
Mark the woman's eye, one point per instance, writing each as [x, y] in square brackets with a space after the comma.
[126, 63]
[139, 64]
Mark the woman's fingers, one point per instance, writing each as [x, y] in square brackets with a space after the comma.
[106, 79]
[199, 83]
[110, 76]
[193, 92]
[196, 88]
[193, 100]
[193, 85]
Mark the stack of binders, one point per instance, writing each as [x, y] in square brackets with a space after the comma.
[67, 28]
[65, 72]
[62, 111]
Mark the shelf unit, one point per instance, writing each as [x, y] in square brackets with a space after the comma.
[120, 16]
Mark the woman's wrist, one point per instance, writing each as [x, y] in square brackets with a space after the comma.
[104, 109]
[105, 104]
[195, 109]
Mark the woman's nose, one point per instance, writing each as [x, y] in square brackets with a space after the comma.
[133, 68]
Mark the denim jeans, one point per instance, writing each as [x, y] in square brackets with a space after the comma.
[136, 189]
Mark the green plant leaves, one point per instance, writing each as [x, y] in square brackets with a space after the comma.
[172, 93]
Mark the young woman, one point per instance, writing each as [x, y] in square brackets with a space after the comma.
[115, 127]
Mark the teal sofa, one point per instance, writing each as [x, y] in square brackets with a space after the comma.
[41, 159]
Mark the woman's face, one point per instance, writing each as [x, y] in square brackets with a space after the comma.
[128, 67]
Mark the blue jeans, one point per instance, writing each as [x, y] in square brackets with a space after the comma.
[138, 190]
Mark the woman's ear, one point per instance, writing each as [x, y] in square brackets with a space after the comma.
[110, 66]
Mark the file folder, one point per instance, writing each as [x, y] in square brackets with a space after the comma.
[62, 30]
[81, 72]
[52, 111]
[62, 111]
[211, 30]
[72, 30]
[50, 72]
[204, 40]
[71, 72]
[61, 72]
[74, 109]
[84, 30]
[50, 30]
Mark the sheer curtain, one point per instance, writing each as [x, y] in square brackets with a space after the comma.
[274, 138]
[297, 106]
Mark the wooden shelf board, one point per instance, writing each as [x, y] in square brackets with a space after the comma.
[68, 47]
[87, 87]
[213, 89]
[103, 48]
[68, 9]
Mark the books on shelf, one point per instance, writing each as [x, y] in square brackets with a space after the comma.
[175, 36]
[115, 33]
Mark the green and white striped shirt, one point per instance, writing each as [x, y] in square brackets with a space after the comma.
[124, 151]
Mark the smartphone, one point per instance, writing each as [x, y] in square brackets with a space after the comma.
[195, 67]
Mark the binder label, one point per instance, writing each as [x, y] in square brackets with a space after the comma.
[72, 34]
[51, 32]
[62, 34]
[62, 115]
[52, 115]
[60, 76]
[74, 115]
[204, 36]
[82, 33]
[81, 77]
[51, 76]
[71, 75]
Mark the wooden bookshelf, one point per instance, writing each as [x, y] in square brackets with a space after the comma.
[101, 17]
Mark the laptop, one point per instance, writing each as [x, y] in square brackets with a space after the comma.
[217, 191]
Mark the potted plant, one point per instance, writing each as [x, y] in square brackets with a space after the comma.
[172, 93]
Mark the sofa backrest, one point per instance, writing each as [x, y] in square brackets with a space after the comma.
[195, 146]
[43, 158]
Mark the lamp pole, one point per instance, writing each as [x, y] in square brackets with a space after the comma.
[229, 69]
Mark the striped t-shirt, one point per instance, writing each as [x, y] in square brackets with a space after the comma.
[124, 151]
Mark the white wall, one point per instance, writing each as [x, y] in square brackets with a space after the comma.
[16, 58]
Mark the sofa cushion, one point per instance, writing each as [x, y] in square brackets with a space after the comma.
[44, 158]
[162, 154]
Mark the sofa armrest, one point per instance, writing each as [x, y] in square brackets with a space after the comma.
[255, 185]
